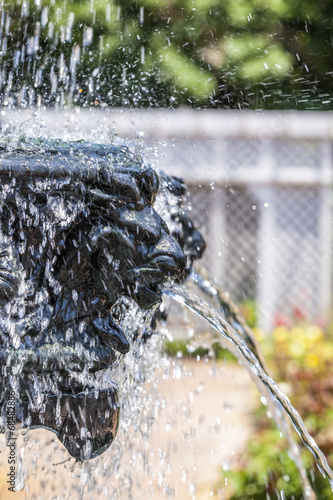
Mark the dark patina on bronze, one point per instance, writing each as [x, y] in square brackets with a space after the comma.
[78, 231]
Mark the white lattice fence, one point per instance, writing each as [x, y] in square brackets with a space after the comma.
[234, 256]
[272, 238]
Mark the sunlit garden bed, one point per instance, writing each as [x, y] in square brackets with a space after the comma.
[300, 359]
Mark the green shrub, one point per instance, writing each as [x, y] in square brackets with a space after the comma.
[301, 357]
[181, 348]
[204, 53]
[267, 469]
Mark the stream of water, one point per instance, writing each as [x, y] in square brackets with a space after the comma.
[222, 301]
[234, 343]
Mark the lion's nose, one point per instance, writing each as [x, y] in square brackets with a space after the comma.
[167, 255]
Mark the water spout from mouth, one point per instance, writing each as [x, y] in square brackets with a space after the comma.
[217, 296]
[237, 346]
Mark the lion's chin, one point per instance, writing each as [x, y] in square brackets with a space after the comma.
[148, 298]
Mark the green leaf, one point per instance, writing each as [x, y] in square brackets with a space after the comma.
[187, 76]
[276, 63]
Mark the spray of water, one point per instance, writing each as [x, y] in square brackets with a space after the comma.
[233, 315]
[234, 342]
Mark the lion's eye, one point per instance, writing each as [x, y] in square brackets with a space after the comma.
[121, 187]
[145, 224]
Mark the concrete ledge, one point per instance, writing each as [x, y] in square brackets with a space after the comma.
[166, 123]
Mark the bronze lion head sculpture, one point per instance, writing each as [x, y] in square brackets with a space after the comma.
[78, 232]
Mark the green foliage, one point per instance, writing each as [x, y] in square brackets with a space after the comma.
[181, 348]
[254, 53]
[268, 470]
[249, 311]
[301, 357]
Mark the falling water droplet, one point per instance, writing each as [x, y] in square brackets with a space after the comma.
[142, 14]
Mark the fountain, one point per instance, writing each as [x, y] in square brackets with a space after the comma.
[84, 260]
[81, 241]
[79, 232]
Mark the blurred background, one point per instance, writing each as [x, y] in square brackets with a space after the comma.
[235, 97]
[257, 54]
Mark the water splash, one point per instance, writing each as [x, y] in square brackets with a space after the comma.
[50, 57]
[235, 342]
[233, 315]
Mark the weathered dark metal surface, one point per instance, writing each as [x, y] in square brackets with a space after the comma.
[78, 231]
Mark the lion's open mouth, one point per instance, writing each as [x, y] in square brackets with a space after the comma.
[155, 271]
[148, 278]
